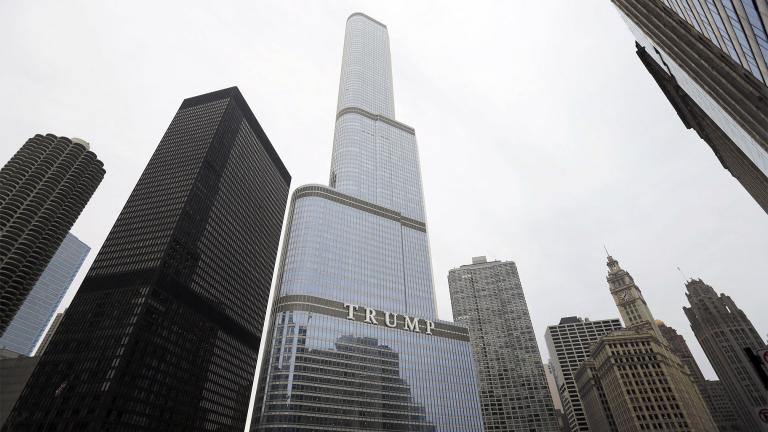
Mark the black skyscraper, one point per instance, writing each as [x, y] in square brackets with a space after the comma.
[43, 189]
[164, 331]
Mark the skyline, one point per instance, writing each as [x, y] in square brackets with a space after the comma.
[649, 210]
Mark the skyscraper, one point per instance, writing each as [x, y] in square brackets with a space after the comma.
[633, 381]
[164, 332]
[489, 299]
[709, 58]
[354, 342]
[27, 327]
[724, 331]
[43, 189]
[568, 343]
[15, 370]
[722, 411]
[49, 334]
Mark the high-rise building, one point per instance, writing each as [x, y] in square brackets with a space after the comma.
[568, 343]
[644, 386]
[43, 189]
[710, 60]
[354, 342]
[725, 415]
[488, 297]
[164, 331]
[722, 411]
[49, 334]
[15, 370]
[27, 327]
[633, 381]
[724, 331]
[552, 386]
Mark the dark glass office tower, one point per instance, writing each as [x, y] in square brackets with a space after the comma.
[355, 344]
[710, 59]
[165, 329]
[43, 189]
[488, 297]
[724, 331]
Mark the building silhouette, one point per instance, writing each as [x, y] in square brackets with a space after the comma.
[488, 297]
[43, 189]
[27, 327]
[356, 264]
[164, 331]
[568, 343]
[709, 59]
[633, 381]
[724, 331]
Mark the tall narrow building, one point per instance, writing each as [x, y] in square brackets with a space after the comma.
[722, 411]
[568, 343]
[43, 189]
[164, 331]
[27, 327]
[724, 331]
[488, 297]
[49, 334]
[355, 343]
[633, 381]
[710, 59]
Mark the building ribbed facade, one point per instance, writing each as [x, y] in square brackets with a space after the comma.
[355, 343]
[709, 58]
[488, 298]
[568, 343]
[724, 331]
[722, 411]
[43, 189]
[27, 327]
[164, 331]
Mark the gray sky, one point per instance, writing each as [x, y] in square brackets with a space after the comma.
[541, 135]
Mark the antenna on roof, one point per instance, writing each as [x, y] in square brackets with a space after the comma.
[681, 272]
[606, 250]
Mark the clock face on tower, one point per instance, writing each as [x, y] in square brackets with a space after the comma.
[624, 296]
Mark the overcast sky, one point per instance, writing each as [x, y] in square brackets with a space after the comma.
[542, 137]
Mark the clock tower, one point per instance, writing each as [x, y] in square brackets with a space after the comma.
[632, 306]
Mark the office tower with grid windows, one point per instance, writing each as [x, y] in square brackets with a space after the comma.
[27, 327]
[489, 299]
[568, 343]
[43, 189]
[164, 331]
[632, 380]
[355, 343]
[710, 59]
[722, 411]
[724, 332]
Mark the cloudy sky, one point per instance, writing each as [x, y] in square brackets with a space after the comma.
[542, 137]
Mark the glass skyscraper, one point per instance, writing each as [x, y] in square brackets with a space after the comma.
[33, 317]
[710, 58]
[355, 343]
